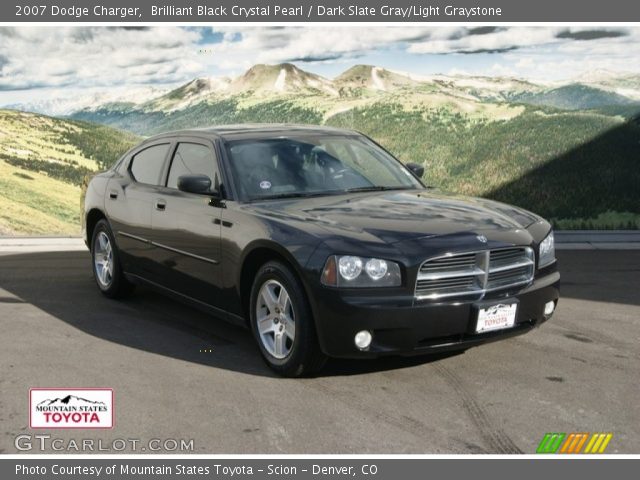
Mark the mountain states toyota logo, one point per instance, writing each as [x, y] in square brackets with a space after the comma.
[71, 408]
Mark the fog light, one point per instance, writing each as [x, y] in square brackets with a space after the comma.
[363, 339]
[549, 307]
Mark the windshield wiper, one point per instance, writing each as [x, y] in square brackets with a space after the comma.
[370, 188]
[376, 188]
[287, 195]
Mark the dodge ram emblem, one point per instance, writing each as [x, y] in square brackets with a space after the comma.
[481, 238]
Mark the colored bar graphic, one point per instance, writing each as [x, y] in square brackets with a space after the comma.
[590, 444]
[581, 442]
[598, 443]
[572, 443]
[567, 443]
[550, 443]
[605, 443]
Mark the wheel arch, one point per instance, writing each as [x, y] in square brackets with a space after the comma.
[93, 217]
[257, 254]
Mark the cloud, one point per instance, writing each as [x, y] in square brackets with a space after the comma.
[114, 57]
[499, 40]
[96, 56]
[243, 46]
[487, 50]
[483, 30]
[319, 58]
[590, 34]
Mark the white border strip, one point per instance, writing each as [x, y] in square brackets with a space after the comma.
[465, 456]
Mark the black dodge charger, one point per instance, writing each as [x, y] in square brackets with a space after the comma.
[320, 241]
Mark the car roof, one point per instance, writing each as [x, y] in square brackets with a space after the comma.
[255, 131]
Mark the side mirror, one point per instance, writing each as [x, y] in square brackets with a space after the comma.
[418, 170]
[195, 184]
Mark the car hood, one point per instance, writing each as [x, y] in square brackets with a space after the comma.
[395, 216]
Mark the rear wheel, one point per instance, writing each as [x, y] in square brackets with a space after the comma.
[282, 323]
[106, 263]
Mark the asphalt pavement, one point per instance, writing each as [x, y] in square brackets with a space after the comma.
[180, 374]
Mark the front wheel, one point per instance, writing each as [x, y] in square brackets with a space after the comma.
[106, 263]
[282, 323]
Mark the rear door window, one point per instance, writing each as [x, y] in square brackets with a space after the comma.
[146, 166]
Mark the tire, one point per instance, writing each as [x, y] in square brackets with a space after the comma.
[105, 259]
[285, 331]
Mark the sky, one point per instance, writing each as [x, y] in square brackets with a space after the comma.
[44, 62]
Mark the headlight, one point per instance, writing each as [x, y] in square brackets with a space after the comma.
[547, 251]
[352, 271]
[350, 267]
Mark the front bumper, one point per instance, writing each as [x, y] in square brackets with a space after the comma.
[404, 326]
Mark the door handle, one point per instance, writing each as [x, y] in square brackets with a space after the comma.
[161, 205]
[113, 195]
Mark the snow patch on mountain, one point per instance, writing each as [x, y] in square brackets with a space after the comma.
[280, 82]
[378, 84]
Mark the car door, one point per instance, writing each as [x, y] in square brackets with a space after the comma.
[129, 202]
[186, 226]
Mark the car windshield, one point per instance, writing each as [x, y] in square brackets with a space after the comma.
[312, 165]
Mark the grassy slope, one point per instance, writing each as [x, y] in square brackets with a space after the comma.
[42, 163]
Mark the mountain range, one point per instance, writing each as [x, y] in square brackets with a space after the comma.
[363, 82]
[61, 102]
[286, 93]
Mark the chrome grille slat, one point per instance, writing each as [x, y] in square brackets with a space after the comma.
[506, 267]
[448, 260]
[433, 284]
[449, 267]
[470, 258]
[475, 273]
[469, 272]
[509, 274]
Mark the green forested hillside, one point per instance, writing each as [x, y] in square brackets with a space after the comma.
[574, 97]
[567, 166]
[224, 111]
[43, 161]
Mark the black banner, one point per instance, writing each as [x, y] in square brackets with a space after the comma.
[288, 11]
[307, 469]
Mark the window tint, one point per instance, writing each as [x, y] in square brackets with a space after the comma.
[146, 166]
[192, 159]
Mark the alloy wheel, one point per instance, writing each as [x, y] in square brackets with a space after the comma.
[103, 259]
[275, 319]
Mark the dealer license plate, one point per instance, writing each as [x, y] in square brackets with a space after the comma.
[496, 317]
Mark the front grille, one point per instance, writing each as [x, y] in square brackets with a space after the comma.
[475, 273]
